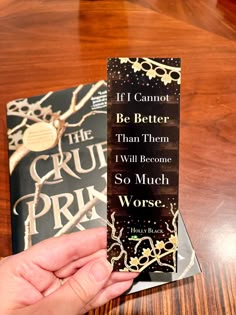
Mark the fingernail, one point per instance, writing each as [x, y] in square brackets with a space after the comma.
[101, 269]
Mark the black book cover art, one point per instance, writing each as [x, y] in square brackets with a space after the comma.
[143, 163]
[57, 161]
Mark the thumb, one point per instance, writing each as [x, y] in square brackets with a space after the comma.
[76, 294]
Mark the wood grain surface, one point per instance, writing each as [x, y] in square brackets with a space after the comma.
[50, 45]
[212, 15]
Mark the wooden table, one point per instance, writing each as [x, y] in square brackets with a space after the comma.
[50, 45]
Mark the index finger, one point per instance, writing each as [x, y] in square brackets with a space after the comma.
[54, 253]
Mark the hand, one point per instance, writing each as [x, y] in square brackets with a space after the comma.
[68, 275]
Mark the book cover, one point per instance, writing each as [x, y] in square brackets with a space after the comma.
[57, 161]
[143, 163]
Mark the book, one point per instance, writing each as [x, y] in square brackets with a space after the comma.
[61, 189]
[57, 161]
